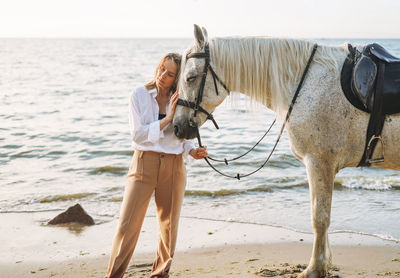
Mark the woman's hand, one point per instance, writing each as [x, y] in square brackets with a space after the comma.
[199, 153]
[172, 105]
[171, 111]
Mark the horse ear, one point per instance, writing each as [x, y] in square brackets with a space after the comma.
[198, 35]
[205, 34]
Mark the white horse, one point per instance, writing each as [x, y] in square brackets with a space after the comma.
[325, 131]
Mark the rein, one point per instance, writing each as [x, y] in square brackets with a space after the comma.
[197, 108]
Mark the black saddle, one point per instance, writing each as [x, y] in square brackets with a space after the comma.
[370, 80]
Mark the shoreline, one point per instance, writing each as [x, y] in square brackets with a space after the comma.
[249, 260]
[204, 249]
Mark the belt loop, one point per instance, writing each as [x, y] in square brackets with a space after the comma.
[141, 153]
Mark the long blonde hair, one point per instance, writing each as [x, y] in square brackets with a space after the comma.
[177, 58]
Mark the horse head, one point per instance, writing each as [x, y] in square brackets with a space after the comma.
[200, 89]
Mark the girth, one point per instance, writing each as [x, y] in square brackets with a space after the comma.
[370, 80]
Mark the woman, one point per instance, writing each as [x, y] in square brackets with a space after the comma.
[157, 166]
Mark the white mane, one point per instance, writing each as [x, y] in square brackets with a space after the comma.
[266, 69]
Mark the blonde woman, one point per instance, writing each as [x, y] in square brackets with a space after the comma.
[157, 166]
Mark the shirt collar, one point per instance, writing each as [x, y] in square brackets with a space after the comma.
[153, 92]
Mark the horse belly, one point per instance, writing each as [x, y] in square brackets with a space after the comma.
[325, 125]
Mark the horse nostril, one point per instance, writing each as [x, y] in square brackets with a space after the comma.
[176, 130]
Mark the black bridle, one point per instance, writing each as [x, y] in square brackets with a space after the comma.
[197, 108]
[207, 67]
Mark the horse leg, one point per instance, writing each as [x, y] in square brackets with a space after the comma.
[320, 176]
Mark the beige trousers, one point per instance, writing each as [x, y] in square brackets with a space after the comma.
[149, 172]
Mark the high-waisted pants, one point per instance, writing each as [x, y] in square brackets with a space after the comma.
[149, 172]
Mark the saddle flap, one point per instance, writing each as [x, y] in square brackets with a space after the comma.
[363, 79]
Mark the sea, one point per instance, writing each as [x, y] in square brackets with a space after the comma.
[64, 139]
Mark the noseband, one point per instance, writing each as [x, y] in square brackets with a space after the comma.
[207, 67]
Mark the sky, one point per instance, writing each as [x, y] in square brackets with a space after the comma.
[175, 18]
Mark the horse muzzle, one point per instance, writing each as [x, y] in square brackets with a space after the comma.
[185, 129]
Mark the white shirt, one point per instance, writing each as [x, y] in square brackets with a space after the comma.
[145, 126]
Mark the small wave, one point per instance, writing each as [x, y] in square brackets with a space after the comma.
[77, 119]
[65, 197]
[110, 153]
[56, 153]
[18, 134]
[65, 138]
[367, 183]
[12, 146]
[260, 189]
[380, 236]
[219, 193]
[25, 154]
[231, 192]
[265, 188]
[290, 186]
[109, 169]
[49, 112]
[113, 189]
[75, 169]
[396, 186]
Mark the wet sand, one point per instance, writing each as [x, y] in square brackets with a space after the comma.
[205, 249]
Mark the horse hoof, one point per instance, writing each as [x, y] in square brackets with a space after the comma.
[312, 273]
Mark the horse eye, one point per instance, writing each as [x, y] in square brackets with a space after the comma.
[191, 78]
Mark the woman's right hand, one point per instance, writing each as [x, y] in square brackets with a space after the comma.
[172, 105]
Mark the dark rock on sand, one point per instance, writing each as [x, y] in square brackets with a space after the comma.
[73, 214]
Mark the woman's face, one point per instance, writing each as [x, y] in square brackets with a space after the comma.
[166, 74]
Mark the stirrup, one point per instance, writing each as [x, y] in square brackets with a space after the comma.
[379, 159]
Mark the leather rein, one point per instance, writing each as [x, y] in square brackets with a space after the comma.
[197, 108]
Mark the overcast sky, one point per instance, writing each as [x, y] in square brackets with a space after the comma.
[175, 18]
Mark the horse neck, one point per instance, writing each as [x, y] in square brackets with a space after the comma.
[265, 69]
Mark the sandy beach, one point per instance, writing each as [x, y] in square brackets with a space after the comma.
[205, 248]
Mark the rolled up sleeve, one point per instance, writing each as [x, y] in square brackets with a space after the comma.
[141, 132]
[188, 145]
[154, 132]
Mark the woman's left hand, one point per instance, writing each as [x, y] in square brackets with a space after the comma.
[199, 153]
[172, 105]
